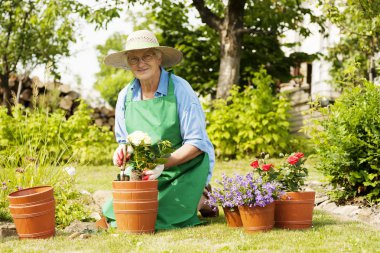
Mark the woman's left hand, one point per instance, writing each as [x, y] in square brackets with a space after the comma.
[155, 173]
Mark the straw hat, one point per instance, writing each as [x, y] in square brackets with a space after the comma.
[143, 39]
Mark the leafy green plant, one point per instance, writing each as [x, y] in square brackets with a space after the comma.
[250, 121]
[291, 173]
[347, 140]
[36, 144]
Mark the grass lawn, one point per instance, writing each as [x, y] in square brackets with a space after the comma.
[327, 235]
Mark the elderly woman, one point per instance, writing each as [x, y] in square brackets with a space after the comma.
[166, 107]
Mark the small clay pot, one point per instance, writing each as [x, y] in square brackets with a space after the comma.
[256, 219]
[33, 211]
[136, 205]
[295, 210]
[232, 217]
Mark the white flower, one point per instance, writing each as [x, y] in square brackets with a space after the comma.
[139, 138]
[129, 149]
[70, 170]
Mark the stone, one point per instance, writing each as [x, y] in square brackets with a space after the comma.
[323, 204]
[81, 227]
[85, 192]
[351, 211]
[330, 207]
[101, 196]
[364, 214]
[7, 229]
[95, 215]
[347, 211]
[84, 236]
[74, 235]
[320, 200]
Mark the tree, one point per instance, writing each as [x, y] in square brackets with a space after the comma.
[353, 58]
[34, 32]
[234, 40]
[111, 80]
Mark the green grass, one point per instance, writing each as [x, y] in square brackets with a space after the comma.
[327, 235]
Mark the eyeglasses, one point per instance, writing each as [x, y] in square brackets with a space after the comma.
[134, 60]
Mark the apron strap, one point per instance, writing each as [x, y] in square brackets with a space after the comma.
[129, 92]
[171, 84]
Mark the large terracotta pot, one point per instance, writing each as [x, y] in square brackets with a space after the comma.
[135, 205]
[295, 210]
[232, 216]
[256, 219]
[33, 211]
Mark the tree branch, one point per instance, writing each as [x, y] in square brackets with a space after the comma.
[20, 52]
[207, 16]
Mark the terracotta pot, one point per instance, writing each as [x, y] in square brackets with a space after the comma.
[33, 211]
[232, 217]
[256, 219]
[295, 210]
[135, 205]
[102, 223]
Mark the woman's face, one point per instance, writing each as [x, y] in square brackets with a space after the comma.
[144, 63]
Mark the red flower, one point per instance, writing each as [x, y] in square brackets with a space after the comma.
[255, 164]
[299, 155]
[267, 167]
[293, 159]
[145, 177]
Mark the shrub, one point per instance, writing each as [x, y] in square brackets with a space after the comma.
[36, 144]
[348, 143]
[53, 138]
[250, 121]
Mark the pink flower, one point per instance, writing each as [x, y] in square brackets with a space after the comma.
[299, 155]
[293, 159]
[267, 167]
[255, 164]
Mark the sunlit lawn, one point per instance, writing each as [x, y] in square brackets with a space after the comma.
[327, 235]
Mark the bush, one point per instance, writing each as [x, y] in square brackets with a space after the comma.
[250, 121]
[348, 143]
[53, 139]
[36, 144]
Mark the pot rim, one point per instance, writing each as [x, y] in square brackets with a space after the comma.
[11, 195]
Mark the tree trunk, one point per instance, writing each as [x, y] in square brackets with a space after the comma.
[230, 55]
[6, 92]
[230, 29]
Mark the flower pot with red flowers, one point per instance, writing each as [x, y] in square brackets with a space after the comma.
[225, 195]
[135, 198]
[256, 202]
[294, 210]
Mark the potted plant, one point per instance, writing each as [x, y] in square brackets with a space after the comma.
[295, 208]
[256, 202]
[225, 195]
[135, 199]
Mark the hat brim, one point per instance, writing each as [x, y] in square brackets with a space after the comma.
[170, 57]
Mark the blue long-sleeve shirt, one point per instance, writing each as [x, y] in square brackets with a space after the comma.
[191, 116]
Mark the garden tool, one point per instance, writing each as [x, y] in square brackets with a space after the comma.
[122, 175]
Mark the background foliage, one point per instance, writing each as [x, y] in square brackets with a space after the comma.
[359, 24]
[110, 80]
[348, 143]
[177, 24]
[249, 122]
[36, 144]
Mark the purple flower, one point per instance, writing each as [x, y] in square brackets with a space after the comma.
[244, 190]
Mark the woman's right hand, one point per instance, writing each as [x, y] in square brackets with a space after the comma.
[120, 152]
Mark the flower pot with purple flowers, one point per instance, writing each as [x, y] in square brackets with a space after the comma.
[257, 203]
[225, 195]
[294, 210]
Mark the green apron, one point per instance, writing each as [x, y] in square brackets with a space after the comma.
[179, 187]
